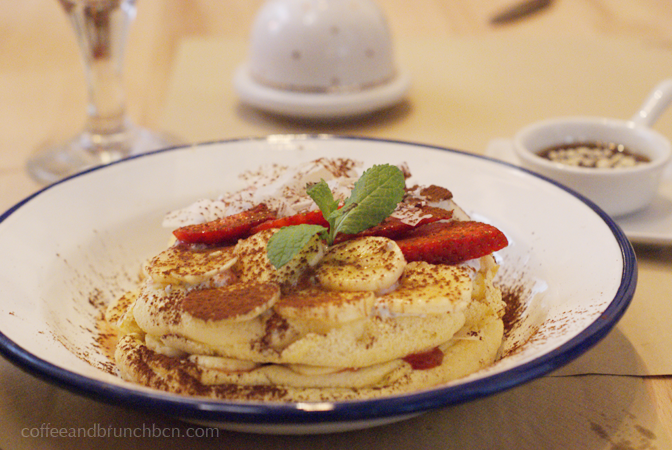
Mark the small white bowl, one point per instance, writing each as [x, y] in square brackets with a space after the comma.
[320, 58]
[618, 191]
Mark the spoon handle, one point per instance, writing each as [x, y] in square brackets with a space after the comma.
[519, 11]
[655, 104]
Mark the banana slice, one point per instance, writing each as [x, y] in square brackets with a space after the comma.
[254, 265]
[365, 377]
[430, 289]
[371, 263]
[305, 369]
[223, 364]
[117, 308]
[156, 345]
[237, 302]
[126, 323]
[325, 306]
[184, 264]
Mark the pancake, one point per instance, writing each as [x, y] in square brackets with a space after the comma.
[351, 321]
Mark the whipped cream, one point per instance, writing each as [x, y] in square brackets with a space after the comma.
[281, 188]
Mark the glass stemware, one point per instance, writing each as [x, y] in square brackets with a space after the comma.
[101, 27]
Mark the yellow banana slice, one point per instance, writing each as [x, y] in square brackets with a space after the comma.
[184, 264]
[254, 264]
[236, 302]
[156, 345]
[222, 363]
[120, 314]
[118, 307]
[430, 289]
[305, 369]
[350, 378]
[371, 263]
[327, 306]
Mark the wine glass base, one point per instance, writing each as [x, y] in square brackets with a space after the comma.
[55, 162]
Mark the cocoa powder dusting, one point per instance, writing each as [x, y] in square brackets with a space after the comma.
[315, 297]
[513, 312]
[181, 377]
[229, 302]
[514, 296]
[435, 193]
[276, 327]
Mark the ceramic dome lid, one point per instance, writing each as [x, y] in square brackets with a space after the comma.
[321, 46]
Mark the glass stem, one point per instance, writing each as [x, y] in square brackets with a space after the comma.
[101, 27]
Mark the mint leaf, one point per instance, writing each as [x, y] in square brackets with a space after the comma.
[376, 178]
[374, 197]
[323, 198]
[287, 242]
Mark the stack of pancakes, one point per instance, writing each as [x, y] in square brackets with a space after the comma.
[350, 321]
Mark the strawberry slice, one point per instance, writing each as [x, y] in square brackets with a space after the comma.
[309, 218]
[225, 230]
[393, 228]
[451, 242]
[425, 360]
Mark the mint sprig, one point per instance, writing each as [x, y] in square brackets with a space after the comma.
[374, 197]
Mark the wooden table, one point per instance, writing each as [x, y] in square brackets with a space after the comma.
[473, 82]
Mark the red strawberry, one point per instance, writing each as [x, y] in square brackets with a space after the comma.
[394, 228]
[225, 230]
[451, 242]
[310, 218]
[425, 360]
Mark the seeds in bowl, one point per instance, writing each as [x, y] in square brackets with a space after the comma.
[597, 155]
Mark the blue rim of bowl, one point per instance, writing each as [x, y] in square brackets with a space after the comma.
[262, 413]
